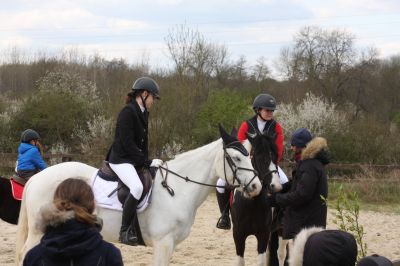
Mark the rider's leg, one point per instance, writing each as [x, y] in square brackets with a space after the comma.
[223, 196]
[128, 175]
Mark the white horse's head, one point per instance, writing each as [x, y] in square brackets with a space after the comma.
[233, 164]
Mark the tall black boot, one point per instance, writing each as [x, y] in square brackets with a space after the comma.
[224, 222]
[127, 234]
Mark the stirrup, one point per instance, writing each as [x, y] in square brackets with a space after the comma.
[224, 222]
[128, 238]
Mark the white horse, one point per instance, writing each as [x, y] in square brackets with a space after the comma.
[168, 219]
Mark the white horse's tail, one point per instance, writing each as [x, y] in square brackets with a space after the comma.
[22, 231]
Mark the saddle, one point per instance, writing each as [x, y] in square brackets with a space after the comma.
[146, 176]
[17, 186]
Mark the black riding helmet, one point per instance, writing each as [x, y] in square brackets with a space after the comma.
[265, 101]
[148, 84]
[29, 135]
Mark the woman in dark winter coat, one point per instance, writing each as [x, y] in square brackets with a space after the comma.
[315, 246]
[304, 203]
[129, 150]
[71, 231]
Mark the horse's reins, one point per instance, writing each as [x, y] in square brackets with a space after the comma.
[231, 164]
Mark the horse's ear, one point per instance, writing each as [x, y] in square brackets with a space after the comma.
[224, 135]
[234, 132]
[247, 145]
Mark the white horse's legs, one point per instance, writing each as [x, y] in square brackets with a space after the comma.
[282, 250]
[31, 241]
[262, 259]
[239, 261]
[163, 250]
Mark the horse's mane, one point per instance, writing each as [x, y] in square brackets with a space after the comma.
[189, 153]
[264, 151]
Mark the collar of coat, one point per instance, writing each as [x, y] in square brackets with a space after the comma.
[313, 148]
[49, 215]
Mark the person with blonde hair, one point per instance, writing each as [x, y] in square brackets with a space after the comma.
[71, 230]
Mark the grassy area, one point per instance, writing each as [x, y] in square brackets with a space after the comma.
[375, 191]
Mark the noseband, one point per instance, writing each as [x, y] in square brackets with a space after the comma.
[235, 170]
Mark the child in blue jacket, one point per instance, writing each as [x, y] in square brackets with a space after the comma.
[29, 161]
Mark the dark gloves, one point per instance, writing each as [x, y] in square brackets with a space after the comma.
[272, 199]
[286, 187]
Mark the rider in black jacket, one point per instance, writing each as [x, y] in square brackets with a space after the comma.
[129, 150]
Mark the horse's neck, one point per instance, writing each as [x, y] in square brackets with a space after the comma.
[196, 165]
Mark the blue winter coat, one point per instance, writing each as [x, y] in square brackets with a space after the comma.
[29, 158]
[68, 241]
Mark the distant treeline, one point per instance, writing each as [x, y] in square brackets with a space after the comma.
[346, 95]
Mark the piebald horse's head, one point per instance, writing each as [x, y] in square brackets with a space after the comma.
[233, 164]
[264, 158]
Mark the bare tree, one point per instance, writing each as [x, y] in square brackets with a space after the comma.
[321, 59]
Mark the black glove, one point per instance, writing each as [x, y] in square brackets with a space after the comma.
[272, 200]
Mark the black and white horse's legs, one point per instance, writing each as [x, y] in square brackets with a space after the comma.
[262, 243]
[240, 244]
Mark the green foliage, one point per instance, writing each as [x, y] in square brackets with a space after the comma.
[347, 218]
[367, 140]
[62, 103]
[396, 119]
[227, 107]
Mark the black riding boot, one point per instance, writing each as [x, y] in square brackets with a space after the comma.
[127, 234]
[224, 222]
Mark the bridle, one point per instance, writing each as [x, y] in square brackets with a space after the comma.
[231, 164]
[235, 169]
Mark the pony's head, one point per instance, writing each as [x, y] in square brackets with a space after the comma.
[233, 164]
[264, 159]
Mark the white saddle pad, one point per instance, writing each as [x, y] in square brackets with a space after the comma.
[102, 190]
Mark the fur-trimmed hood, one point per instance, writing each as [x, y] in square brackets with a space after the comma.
[313, 148]
[49, 215]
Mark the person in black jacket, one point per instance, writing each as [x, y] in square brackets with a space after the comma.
[304, 203]
[71, 231]
[129, 150]
[315, 246]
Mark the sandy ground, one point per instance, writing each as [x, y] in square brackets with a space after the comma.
[207, 245]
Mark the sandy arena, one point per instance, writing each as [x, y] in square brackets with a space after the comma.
[207, 245]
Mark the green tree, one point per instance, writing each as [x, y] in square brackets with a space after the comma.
[62, 103]
[227, 107]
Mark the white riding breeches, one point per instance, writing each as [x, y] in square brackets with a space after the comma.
[221, 182]
[282, 179]
[128, 175]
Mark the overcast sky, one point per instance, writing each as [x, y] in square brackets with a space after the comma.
[136, 30]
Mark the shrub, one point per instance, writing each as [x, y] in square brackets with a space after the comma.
[227, 107]
[63, 102]
[347, 218]
[314, 113]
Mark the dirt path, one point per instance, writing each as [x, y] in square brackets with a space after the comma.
[207, 245]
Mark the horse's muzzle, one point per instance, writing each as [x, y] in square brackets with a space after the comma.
[253, 189]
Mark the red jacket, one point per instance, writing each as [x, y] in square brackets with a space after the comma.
[242, 135]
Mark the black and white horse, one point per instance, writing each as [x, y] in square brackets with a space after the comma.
[9, 207]
[253, 216]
